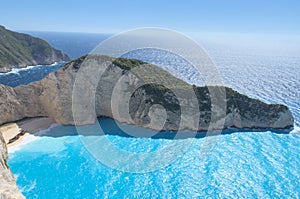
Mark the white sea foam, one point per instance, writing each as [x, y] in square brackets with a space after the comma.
[296, 130]
[28, 139]
[29, 187]
[22, 143]
[239, 165]
[17, 70]
[16, 176]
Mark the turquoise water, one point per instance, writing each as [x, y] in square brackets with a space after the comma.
[239, 165]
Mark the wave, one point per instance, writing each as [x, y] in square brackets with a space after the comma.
[296, 130]
[17, 70]
[22, 143]
[29, 187]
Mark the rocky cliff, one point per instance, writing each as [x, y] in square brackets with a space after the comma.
[19, 50]
[8, 187]
[137, 93]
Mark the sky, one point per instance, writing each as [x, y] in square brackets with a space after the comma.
[112, 16]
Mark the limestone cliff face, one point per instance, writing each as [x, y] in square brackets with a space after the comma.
[8, 187]
[137, 93]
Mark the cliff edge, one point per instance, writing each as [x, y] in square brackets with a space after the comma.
[8, 187]
[18, 50]
[127, 92]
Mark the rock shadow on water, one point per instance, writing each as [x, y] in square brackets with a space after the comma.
[108, 126]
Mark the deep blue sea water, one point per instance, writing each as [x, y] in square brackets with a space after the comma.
[23, 76]
[239, 165]
[74, 44]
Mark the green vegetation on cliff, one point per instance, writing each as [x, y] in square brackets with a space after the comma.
[19, 50]
[151, 85]
[137, 93]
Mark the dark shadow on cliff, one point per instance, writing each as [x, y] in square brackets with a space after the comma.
[111, 127]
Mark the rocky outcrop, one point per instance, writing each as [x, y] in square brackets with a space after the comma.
[8, 187]
[19, 50]
[134, 92]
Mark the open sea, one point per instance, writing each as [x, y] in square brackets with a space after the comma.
[238, 165]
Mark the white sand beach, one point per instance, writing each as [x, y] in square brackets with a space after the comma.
[13, 133]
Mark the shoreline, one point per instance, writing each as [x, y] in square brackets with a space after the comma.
[16, 70]
[18, 141]
[14, 132]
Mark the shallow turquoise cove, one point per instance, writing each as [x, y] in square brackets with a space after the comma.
[239, 165]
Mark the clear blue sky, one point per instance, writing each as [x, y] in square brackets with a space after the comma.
[112, 16]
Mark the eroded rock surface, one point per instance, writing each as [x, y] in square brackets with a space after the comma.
[134, 92]
[8, 187]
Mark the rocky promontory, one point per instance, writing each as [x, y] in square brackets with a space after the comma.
[137, 93]
[18, 50]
